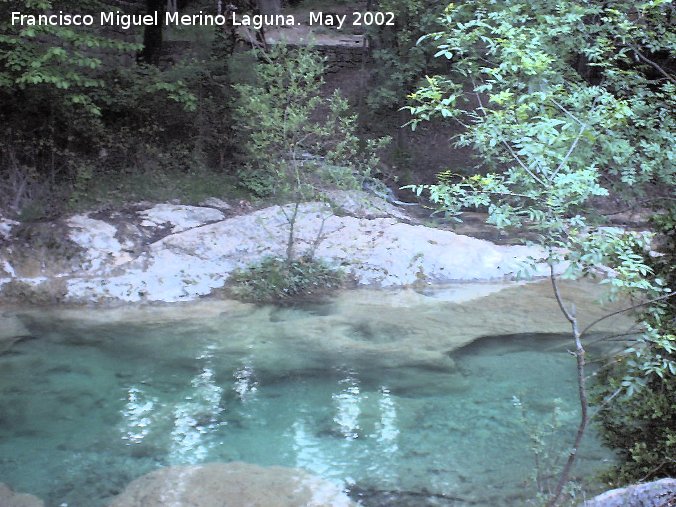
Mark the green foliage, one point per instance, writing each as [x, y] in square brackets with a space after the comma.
[568, 104]
[62, 59]
[294, 137]
[642, 425]
[273, 116]
[561, 141]
[283, 118]
[281, 282]
[84, 175]
[521, 61]
[641, 428]
[653, 356]
[152, 118]
[398, 62]
[155, 185]
[77, 110]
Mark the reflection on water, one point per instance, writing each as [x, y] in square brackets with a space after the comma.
[347, 409]
[387, 426]
[80, 418]
[197, 415]
[136, 415]
[246, 384]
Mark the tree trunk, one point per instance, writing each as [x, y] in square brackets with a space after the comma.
[291, 239]
[152, 36]
[582, 391]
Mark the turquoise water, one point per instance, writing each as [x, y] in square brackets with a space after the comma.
[86, 407]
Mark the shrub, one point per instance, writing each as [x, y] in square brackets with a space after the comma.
[279, 281]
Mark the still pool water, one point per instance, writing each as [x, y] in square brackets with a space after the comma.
[86, 407]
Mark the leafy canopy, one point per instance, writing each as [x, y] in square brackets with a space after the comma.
[566, 103]
[63, 58]
[398, 62]
[561, 139]
[69, 61]
[570, 104]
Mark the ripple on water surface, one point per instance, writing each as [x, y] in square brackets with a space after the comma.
[87, 408]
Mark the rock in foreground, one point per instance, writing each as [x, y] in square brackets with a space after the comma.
[231, 485]
[9, 498]
[660, 493]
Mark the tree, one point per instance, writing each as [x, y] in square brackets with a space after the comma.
[62, 59]
[557, 140]
[289, 126]
[291, 133]
[642, 427]
[297, 142]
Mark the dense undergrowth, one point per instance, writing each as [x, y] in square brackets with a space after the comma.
[642, 427]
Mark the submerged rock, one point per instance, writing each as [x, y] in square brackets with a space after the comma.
[12, 331]
[660, 493]
[231, 485]
[368, 328]
[8, 498]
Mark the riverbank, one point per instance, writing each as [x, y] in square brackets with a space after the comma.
[173, 252]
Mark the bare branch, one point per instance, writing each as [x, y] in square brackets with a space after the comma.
[525, 168]
[582, 392]
[557, 294]
[614, 336]
[570, 152]
[568, 113]
[654, 65]
[633, 307]
[605, 401]
[319, 238]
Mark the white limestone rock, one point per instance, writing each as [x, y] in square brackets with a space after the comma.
[123, 262]
[6, 268]
[661, 493]
[98, 240]
[6, 226]
[380, 251]
[179, 217]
